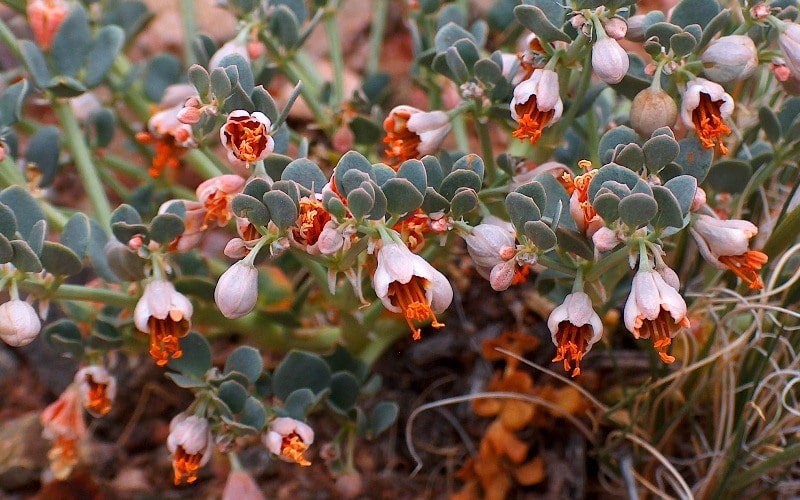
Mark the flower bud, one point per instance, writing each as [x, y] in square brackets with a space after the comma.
[19, 324]
[616, 28]
[189, 116]
[237, 290]
[789, 42]
[699, 199]
[635, 31]
[609, 60]
[730, 58]
[46, 16]
[651, 110]
[605, 239]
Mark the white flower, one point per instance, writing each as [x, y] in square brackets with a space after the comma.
[237, 290]
[609, 60]
[789, 42]
[191, 444]
[19, 324]
[413, 133]
[704, 108]
[655, 310]
[97, 389]
[406, 283]
[289, 439]
[574, 328]
[536, 104]
[730, 58]
[246, 137]
[166, 315]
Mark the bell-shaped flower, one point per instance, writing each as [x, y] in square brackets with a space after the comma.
[237, 290]
[725, 245]
[97, 389]
[705, 108]
[789, 43]
[289, 439]
[216, 195]
[190, 442]
[574, 328]
[413, 133]
[45, 17]
[246, 137]
[62, 422]
[19, 324]
[166, 315]
[492, 246]
[655, 310]
[536, 104]
[609, 60]
[407, 284]
[730, 58]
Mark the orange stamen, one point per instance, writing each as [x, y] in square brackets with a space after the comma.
[312, 219]
[293, 447]
[659, 332]
[531, 120]
[410, 297]
[745, 266]
[185, 466]
[99, 402]
[707, 120]
[413, 229]
[248, 138]
[572, 344]
[63, 456]
[402, 143]
[164, 335]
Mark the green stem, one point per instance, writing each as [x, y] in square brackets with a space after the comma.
[9, 39]
[788, 456]
[77, 292]
[605, 265]
[202, 164]
[379, 12]
[376, 347]
[460, 131]
[482, 126]
[189, 30]
[83, 162]
[784, 234]
[337, 59]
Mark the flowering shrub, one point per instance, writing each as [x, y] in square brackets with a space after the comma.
[598, 155]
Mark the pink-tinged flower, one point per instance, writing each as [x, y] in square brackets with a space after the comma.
[609, 60]
[655, 310]
[730, 58]
[170, 137]
[63, 423]
[605, 239]
[166, 315]
[705, 108]
[699, 199]
[246, 137]
[46, 16]
[413, 133]
[311, 221]
[19, 324]
[193, 222]
[237, 290]
[289, 439]
[581, 210]
[725, 245]
[241, 486]
[216, 195]
[97, 389]
[407, 284]
[331, 239]
[191, 444]
[574, 328]
[789, 42]
[616, 28]
[492, 246]
[536, 104]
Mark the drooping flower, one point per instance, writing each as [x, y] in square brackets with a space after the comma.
[492, 247]
[789, 42]
[536, 104]
[19, 323]
[236, 292]
[413, 133]
[45, 17]
[63, 423]
[655, 310]
[407, 284]
[97, 389]
[246, 137]
[725, 245]
[193, 222]
[216, 195]
[574, 327]
[190, 442]
[730, 58]
[609, 60]
[289, 439]
[166, 315]
[311, 221]
[705, 108]
[582, 211]
[170, 137]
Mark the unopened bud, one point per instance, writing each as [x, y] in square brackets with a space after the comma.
[789, 42]
[699, 199]
[616, 28]
[578, 21]
[609, 60]
[189, 116]
[19, 324]
[635, 31]
[730, 58]
[237, 290]
[651, 110]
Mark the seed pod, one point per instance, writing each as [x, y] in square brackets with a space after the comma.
[651, 110]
